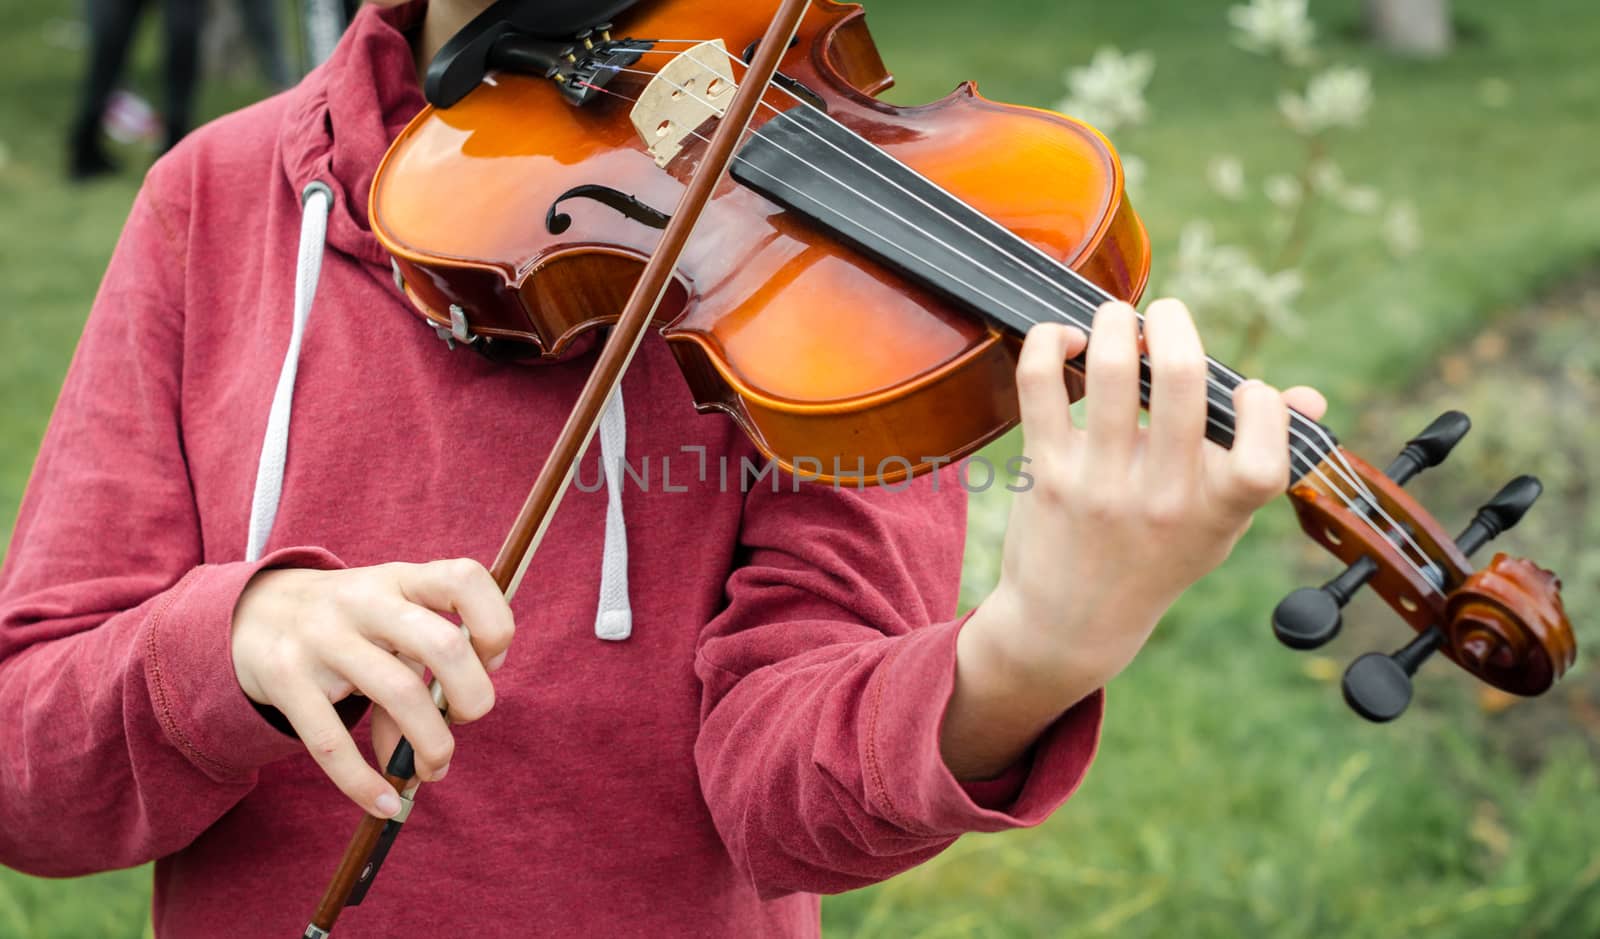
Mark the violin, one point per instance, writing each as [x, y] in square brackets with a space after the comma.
[854, 293]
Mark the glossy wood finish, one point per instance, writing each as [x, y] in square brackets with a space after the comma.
[826, 358]
[1507, 625]
[1504, 624]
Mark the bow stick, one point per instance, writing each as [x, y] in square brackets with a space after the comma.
[372, 839]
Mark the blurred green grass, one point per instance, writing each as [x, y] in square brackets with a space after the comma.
[1234, 795]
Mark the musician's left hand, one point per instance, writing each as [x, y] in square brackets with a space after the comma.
[1120, 519]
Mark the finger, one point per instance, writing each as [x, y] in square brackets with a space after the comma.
[401, 693]
[1259, 461]
[1042, 387]
[464, 587]
[330, 744]
[1178, 379]
[1112, 378]
[385, 734]
[420, 634]
[1308, 401]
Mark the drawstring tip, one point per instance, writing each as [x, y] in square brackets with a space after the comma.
[614, 625]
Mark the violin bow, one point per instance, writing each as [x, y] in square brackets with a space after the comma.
[372, 840]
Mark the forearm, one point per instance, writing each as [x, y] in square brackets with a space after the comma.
[1010, 686]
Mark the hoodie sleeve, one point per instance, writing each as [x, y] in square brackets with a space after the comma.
[826, 680]
[126, 734]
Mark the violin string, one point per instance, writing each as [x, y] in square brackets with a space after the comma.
[1099, 295]
[1334, 487]
[1338, 463]
[1145, 385]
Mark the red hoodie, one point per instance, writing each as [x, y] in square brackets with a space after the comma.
[768, 733]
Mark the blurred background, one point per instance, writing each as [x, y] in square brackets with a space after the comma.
[1395, 200]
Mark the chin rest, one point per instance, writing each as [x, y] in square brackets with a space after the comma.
[469, 55]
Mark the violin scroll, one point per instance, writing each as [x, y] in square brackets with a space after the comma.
[1503, 624]
[1508, 627]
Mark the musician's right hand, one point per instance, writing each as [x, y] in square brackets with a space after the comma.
[305, 639]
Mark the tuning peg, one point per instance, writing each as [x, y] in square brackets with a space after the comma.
[1309, 618]
[1429, 448]
[1501, 513]
[1378, 686]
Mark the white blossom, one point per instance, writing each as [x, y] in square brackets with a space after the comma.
[1402, 230]
[1337, 97]
[1283, 191]
[1108, 93]
[1226, 175]
[1328, 180]
[1276, 28]
[1223, 283]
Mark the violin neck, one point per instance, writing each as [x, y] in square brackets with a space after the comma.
[1309, 442]
[866, 197]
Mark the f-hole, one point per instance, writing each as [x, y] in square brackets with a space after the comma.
[557, 222]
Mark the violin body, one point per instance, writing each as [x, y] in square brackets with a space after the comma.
[835, 364]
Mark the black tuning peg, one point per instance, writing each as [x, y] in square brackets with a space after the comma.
[1501, 513]
[1429, 448]
[1310, 617]
[1378, 686]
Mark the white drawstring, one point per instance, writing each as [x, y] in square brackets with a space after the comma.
[613, 619]
[316, 202]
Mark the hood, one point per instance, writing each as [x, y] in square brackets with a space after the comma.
[343, 116]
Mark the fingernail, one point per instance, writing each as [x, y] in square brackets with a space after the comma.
[388, 805]
[440, 774]
[496, 662]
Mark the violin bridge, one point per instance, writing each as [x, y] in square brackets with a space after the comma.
[695, 86]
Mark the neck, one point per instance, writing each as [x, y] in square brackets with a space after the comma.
[444, 19]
